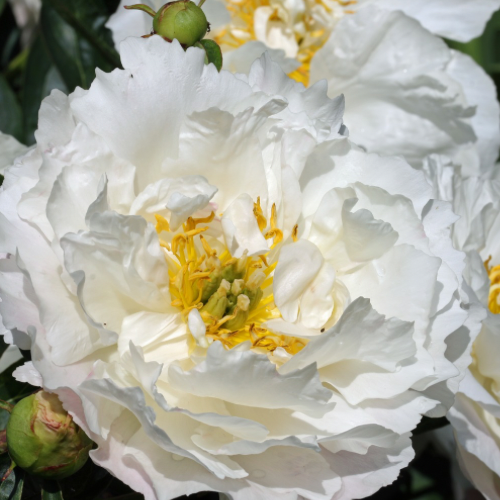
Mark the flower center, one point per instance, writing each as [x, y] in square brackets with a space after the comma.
[234, 296]
[494, 296]
[309, 26]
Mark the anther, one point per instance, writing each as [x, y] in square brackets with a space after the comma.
[161, 224]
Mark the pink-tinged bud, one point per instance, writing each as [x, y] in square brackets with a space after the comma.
[44, 440]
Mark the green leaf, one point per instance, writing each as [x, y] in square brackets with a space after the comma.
[18, 491]
[214, 53]
[12, 487]
[8, 485]
[73, 54]
[9, 35]
[40, 78]
[11, 120]
[88, 17]
[51, 490]
[66, 50]
[4, 418]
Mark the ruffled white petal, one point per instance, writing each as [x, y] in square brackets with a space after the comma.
[401, 98]
[460, 20]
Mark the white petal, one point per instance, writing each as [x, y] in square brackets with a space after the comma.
[162, 336]
[398, 283]
[480, 91]
[365, 237]
[11, 149]
[238, 376]
[358, 482]
[182, 197]
[298, 265]
[124, 23]
[29, 374]
[119, 269]
[393, 74]
[360, 352]
[197, 328]
[241, 59]
[461, 20]
[316, 305]
[241, 230]
[147, 133]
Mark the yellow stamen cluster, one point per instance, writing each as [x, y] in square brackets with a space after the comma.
[494, 296]
[311, 36]
[234, 296]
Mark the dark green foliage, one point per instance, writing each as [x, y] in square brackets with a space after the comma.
[71, 43]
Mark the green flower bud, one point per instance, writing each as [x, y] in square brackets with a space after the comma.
[44, 440]
[182, 20]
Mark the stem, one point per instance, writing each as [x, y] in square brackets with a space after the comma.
[4, 405]
[201, 2]
[144, 8]
[9, 471]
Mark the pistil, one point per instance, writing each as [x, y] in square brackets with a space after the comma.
[222, 297]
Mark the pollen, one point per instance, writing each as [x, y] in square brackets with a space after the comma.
[311, 26]
[234, 296]
[494, 295]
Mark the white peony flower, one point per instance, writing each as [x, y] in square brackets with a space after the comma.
[27, 13]
[475, 416]
[225, 292]
[407, 93]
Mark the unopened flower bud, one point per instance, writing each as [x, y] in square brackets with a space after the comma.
[44, 440]
[182, 20]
